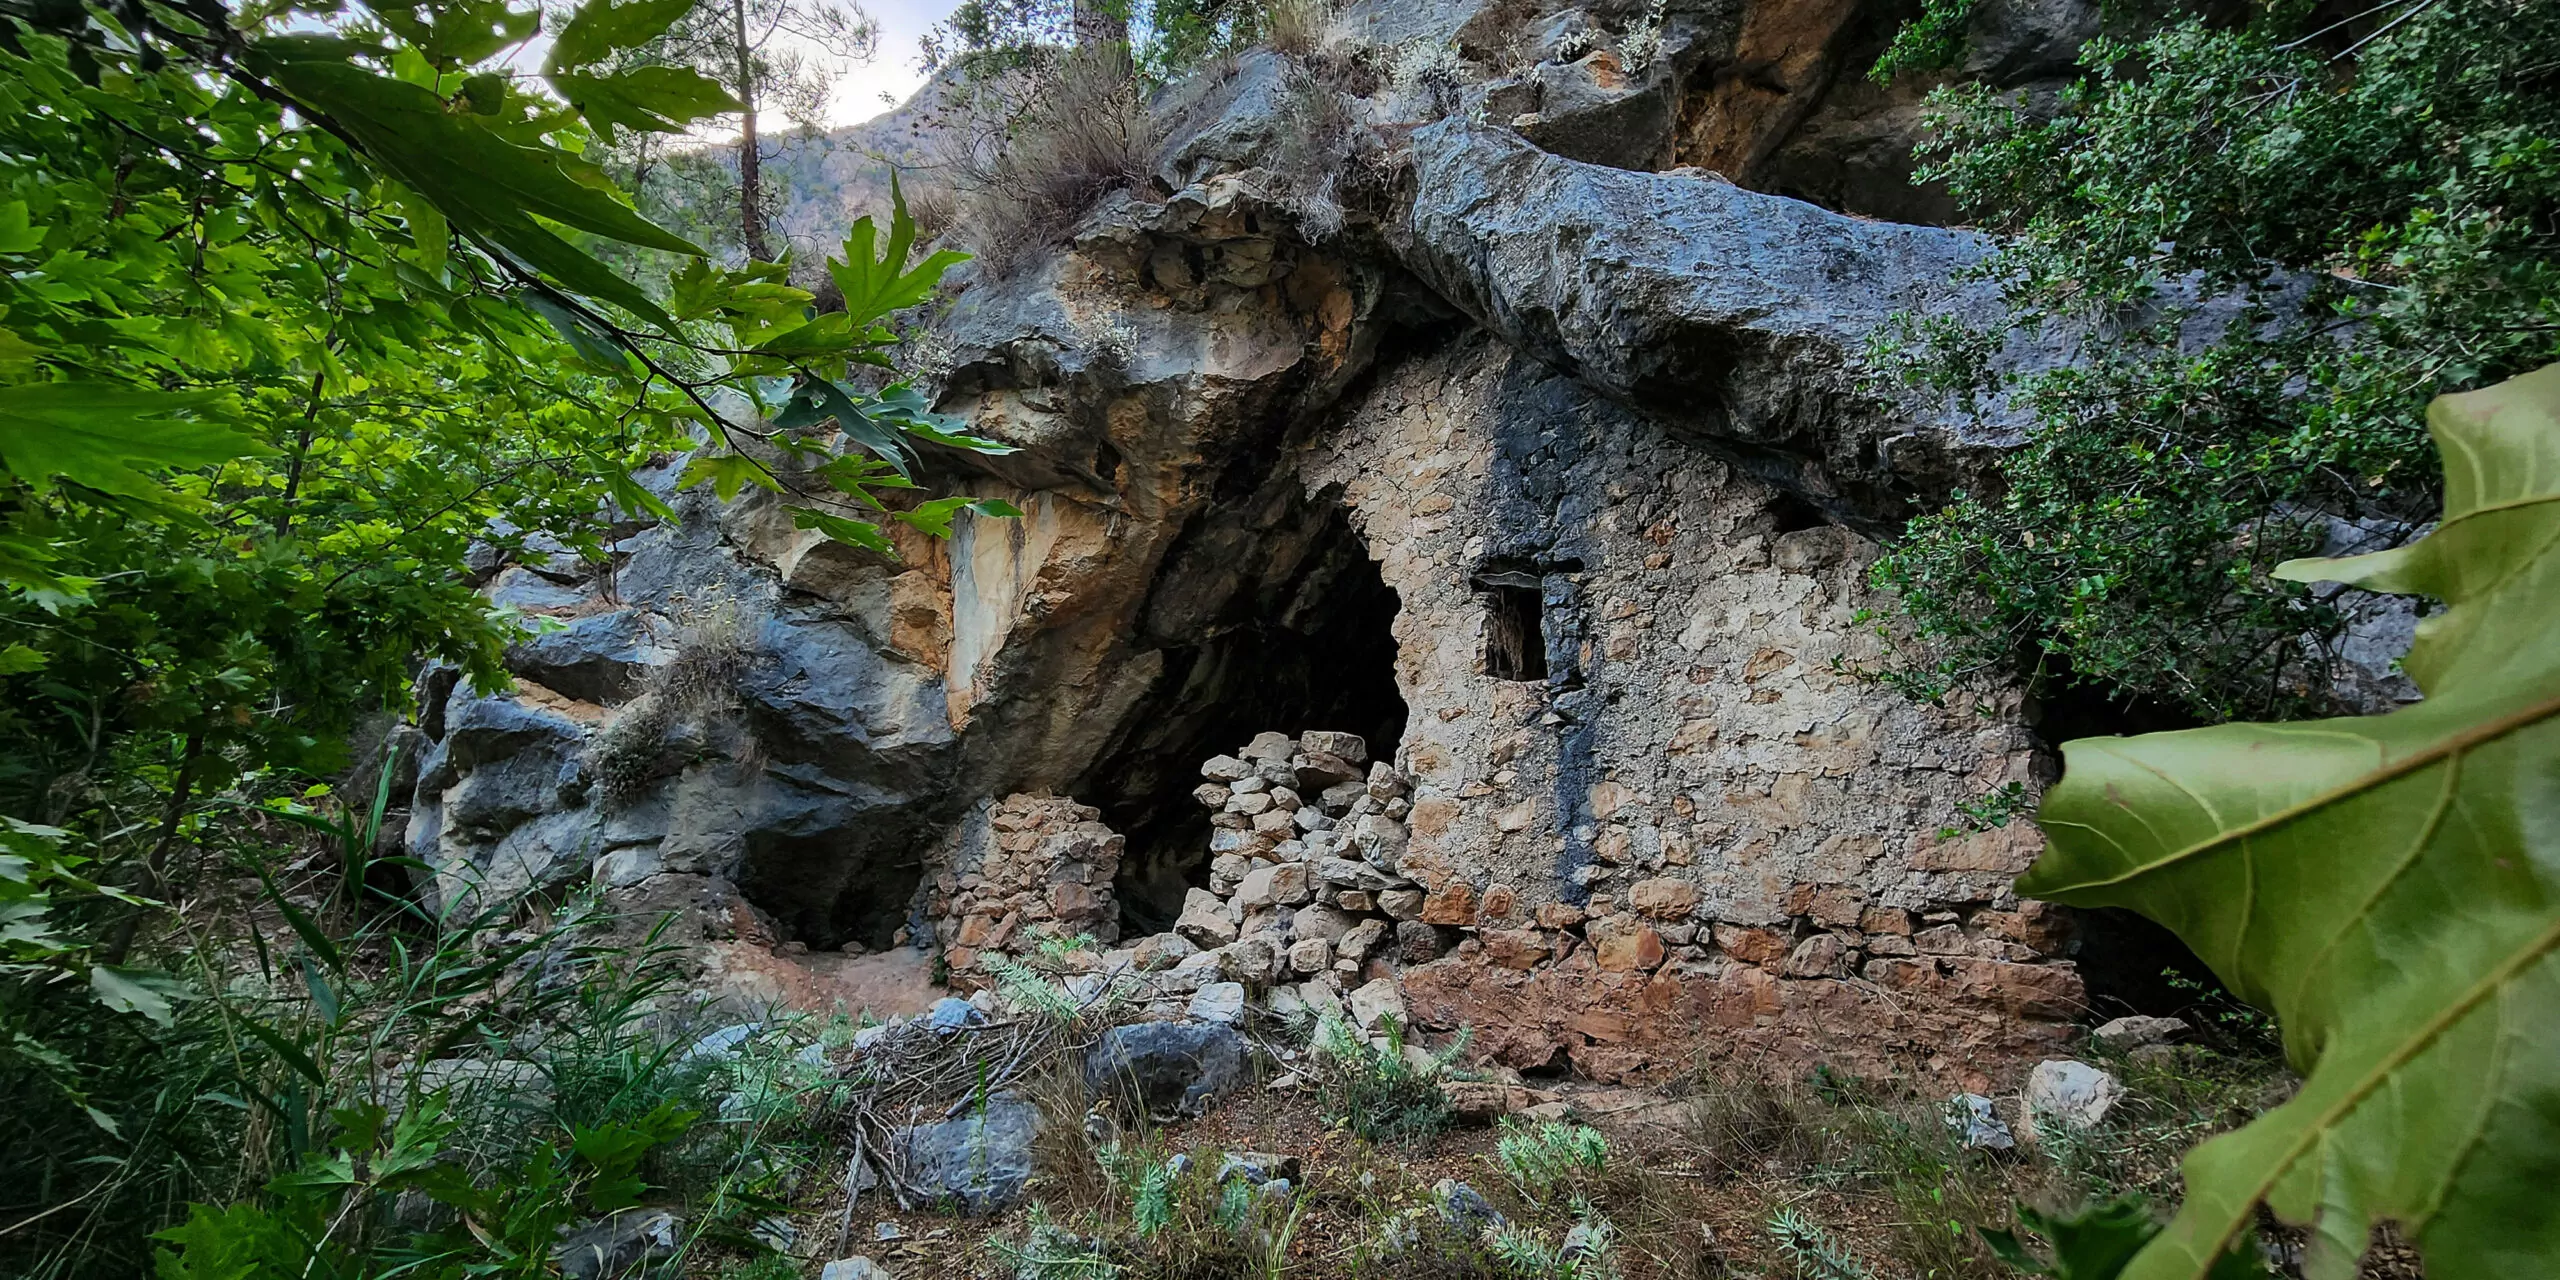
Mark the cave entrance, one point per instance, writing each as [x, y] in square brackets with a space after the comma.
[826, 890]
[1306, 642]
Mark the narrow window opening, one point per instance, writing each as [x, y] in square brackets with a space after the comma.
[1515, 643]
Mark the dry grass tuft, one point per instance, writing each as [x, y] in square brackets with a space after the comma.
[1297, 28]
[1034, 149]
[712, 650]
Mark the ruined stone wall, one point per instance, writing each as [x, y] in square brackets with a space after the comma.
[1027, 868]
[1702, 829]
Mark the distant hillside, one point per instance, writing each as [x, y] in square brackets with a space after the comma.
[829, 179]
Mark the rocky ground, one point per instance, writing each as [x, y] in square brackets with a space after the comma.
[1192, 1147]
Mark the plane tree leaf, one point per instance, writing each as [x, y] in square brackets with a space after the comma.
[2389, 886]
[106, 435]
[484, 184]
[601, 28]
[874, 277]
[457, 34]
[645, 99]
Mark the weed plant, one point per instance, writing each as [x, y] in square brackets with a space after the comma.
[1373, 1090]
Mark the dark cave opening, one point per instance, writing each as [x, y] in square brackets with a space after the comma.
[2131, 964]
[2134, 965]
[1307, 642]
[1790, 513]
[820, 893]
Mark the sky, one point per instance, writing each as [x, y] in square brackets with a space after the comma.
[892, 70]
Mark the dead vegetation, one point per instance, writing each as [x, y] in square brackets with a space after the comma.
[1029, 150]
[712, 641]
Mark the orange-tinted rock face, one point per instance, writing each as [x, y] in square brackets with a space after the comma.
[1961, 1020]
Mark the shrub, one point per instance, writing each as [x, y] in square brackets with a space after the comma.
[1551, 1153]
[1031, 149]
[2378, 197]
[1373, 1089]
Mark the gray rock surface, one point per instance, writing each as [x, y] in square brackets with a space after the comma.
[1976, 1125]
[2128, 1034]
[1167, 1068]
[624, 1244]
[977, 1163]
[1741, 318]
[2073, 1095]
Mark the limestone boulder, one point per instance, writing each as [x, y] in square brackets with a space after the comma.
[1167, 1068]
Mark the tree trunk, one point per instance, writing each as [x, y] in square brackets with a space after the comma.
[154, 882]
[1100, 23]
[750, 164]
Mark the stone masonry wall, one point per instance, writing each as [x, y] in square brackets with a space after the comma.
[1702, 830]
[1026, 868]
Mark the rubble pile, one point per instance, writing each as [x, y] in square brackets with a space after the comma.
[1306, 900]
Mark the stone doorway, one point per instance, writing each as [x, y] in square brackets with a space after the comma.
[1310, 646]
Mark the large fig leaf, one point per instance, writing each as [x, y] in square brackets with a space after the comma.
[2389, 886]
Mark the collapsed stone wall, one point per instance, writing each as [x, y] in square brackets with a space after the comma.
[1023, 870]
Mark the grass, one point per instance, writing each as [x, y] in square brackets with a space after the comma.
[1767, 1174]
[1034, 149]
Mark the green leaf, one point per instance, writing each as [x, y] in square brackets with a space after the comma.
[601, 28]
[458, 32]
[905, 406]
[649, 99]
[854, 532]
[935, 517]
[727, 474]
[104, 435]
[876, 284]
[820, 399]
[16, 234]
[486, 185]
[635, 500]
[18, 659]
[2389, 886]
[148, 992]
[594, 345]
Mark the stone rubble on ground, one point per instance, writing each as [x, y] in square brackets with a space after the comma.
[2125, 1035]
[2071, 1094]
[855, 1268]
[1306, 906]
[1976, 1125]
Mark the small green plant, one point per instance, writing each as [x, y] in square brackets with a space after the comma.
[1815, 1254]
[1553, 1152]
[1373, 1089]
[763, 1266]
[1989, 811]
[1586, 1252]
[1031, 990]
[1047, 1251]
[1642, 42]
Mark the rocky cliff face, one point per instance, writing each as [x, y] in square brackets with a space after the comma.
[1549, 474]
